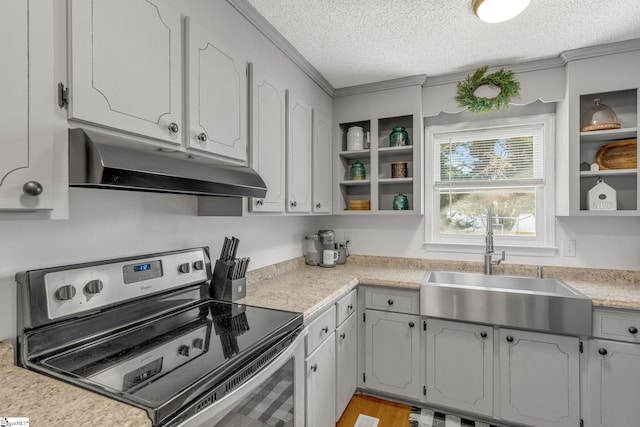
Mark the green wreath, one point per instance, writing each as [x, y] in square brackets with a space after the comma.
[509, 87]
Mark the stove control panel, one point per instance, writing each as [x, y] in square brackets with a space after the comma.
[76, 290]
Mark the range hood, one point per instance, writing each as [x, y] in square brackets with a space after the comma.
[102, 160]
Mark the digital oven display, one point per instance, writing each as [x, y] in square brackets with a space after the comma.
[141, 267]
[133, 273]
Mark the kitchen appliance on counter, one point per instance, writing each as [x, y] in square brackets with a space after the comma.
[316, 244]
[311, 254]
[144, 330]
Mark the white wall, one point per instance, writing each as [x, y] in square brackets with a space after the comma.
[106, 224]
[611, 243]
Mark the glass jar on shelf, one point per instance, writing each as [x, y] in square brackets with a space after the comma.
[357, 171]
[399, 137]
[598, 117]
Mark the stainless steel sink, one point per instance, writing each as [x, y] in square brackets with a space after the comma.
[546, 304]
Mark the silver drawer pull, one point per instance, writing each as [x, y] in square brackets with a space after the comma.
[633, 330]
[314, 367]
[343, 335]
[325, 329]
[173, 127]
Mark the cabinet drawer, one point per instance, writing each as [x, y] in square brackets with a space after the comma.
[320, 329]
[616, 325]
[345, 306]
[396, 300]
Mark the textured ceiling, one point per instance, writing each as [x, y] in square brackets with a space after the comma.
[352, 42]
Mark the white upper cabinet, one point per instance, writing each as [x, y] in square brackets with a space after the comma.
[268, 139]
[26, 49]
[217, 91]
[126, 66]
[322, 176]
[298, 155]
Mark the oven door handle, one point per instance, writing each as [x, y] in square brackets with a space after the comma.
[219, 409]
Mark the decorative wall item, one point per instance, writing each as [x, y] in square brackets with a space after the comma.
[502, 79]
[602, 197]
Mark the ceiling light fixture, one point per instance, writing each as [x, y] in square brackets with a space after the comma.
[495, 11]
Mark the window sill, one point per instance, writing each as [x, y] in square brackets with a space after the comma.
[471, 248]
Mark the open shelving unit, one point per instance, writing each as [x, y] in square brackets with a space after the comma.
[624, 181]
[379, 186]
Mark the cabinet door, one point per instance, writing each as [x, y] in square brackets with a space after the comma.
[322, 172]
[321, 391]
[298, 155]
[539, 378]
[346, 363]
[217, 96]
[460, 366]
[268, 139]
[614, 384]
[26, 49]
[125, 66]
[392, 353]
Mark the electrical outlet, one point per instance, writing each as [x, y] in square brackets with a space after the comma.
[568, 248]
[348, 237]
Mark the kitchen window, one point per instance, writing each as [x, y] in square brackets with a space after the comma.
[507, 164]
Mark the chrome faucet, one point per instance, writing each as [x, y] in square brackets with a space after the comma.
[488, 250]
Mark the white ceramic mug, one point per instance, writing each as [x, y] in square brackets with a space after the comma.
[329, 257]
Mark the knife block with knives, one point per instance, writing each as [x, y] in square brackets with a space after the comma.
[229, 282]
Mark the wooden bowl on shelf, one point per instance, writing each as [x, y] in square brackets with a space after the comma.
[618, 155]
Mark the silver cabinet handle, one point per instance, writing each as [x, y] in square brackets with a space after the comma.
[343, 335]
[350, 307]
[318, 205]
[202, 137]
[32, 188]
[314, 367]
[633, 330]
[293, 204]
[325, 329]
[603, 351]
[173, 127]
[509, 338]
[483, 334]
[260, 202]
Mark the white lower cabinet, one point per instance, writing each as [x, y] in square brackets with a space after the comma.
[614, 384]
[539, 378]
[321, 390]
[392, 353]
[459, 365]
[346, 363]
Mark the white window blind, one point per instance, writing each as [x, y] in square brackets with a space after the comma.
[496, 156]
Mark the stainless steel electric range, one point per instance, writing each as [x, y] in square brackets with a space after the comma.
[144, 330]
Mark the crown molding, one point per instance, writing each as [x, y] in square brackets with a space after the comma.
[543, 64]
[383, 85]
[262, 25]
[601, 50]
[520, 67]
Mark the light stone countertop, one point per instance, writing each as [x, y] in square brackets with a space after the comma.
[50, 402]
[298, 287]
[293, 286]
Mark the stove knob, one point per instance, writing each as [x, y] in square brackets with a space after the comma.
[198, 265]
[65, 293]
[184, 268]
[198, 343]
[183, 350]
[93, 287]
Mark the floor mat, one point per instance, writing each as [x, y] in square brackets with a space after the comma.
[421, 417]
[366, 421]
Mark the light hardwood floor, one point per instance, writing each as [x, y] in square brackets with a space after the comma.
[391, 414]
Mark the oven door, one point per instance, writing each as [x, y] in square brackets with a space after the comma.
[274, 396]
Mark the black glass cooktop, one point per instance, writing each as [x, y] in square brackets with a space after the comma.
[156, 361]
